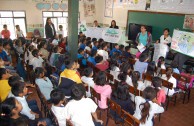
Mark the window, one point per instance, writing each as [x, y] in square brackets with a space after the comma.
[58, 18]
[11, 19]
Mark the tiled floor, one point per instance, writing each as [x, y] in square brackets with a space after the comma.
[179, 115]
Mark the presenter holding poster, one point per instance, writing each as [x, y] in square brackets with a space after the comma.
[50, 31]
[165, 41]
[114, 24]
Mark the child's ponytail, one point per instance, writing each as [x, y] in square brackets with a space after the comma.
[144, 111]
[135, 78]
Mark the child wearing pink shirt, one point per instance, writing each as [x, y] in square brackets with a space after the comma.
[161, 96]
[103, 89]
[188, 74]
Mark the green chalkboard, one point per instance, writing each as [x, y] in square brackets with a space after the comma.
[158, 21]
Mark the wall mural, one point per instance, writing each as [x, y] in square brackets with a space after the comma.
[55, 6]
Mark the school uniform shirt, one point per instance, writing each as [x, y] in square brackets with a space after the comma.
[88, 48]
[154, 109]
[60, 113]
[92, 60]
[55, 42]
[129, 80]
[4, 89]
[103, 66]
[34, 44]
[115, 72]
[82, 46]
[114, 50]
[173, 81]
[105, 92]
[176, 70]
[83, 116]
[59, 32]
[25, 110]
[45, 86]
[36, 62]
[44, 52]
[72, 75]
[140, 66]
[29, 57]
[19, 33]
[104, 54]
[90, 82]
[20, 49]
[94, 48]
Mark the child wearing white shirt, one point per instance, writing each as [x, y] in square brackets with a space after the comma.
[168, 76]
[58, 99]
[147, 107]
[37, 61]
[60, 31]
[81, 110]
[88, 80]
[102, 52]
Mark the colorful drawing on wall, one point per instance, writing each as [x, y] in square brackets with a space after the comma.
[89, 8]
[189, 22]
[108, 12]
[40, 6]
[64, 6]
[55, 6]
[183, 42]
[47, 6]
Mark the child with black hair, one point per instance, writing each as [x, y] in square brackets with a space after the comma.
[188, 73]
[103, 89]
[103, 52]
[19, 47]
[126, 70]
[70, 72]
[91, 58]
[114, 68]
[10, 112]
[141, 64]
[151, 69]
[121, 96]
[146, 107]
[115, 49]
[174, 65]
[62, 44]
[5, 88]
[121, 48]
[7, 49]
[3, 54]
[55, 41]
[43, 50]
[83, 43]
[161, 63]
[88, 80]
[35, 42]
[81, 57]
[83, 116]
[95, 45]
[54, 55]
[37, 61]
[60, 31]
[58, 108]
[127, 53]
[161, 96]
[137, 83]
[43, 82]
[28, 53]
[101, 64]
[168, 76]
[88, 46]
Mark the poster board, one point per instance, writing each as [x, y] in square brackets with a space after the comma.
[183, 42]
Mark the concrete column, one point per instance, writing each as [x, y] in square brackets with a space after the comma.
[73, 8]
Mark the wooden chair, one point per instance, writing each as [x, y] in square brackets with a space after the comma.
[135, 92]
[53, 118]
[162, 71]
[96, 97]
[113, 112]
[29, 35]
[110, 78]
[129, 120]
[147, 77]
[132, 61]
[169, 85]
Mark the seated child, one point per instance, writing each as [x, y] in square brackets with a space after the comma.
[103, 51]
[88, 46]
[37, 61]
[95, 47]
[115, 49]
[160, 93]
[101, 64]
[137, 82]
[55, 54]
[70, 72]
[81, 57]
[174, 65]
[92, 57]
[188, 73]
[114, 69]
[127, 53]
[141, 64]
[58, 99]
[5, 88]
[88, 80]
[19, 47]
[103, 89]
[146, 107]
[43, 82]
[126, 70]
[161, 63]
[83, 43]
[85, 115]
[168, 76]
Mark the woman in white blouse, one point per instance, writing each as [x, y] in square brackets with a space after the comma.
[147, 107]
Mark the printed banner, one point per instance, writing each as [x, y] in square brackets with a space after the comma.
[183, 42]
[108, 34]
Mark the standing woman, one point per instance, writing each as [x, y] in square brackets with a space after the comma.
[144, 37]
[165, 40]
[50, 31]
[114, 25]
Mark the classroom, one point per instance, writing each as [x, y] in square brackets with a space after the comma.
[96, 62]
